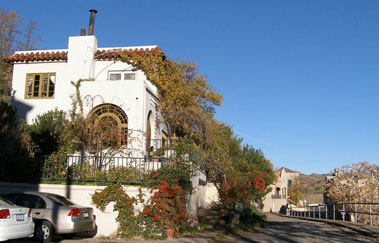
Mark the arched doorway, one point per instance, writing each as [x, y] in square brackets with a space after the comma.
[277, 191]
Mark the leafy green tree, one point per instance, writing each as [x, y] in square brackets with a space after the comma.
[295, 191]
[260, 167]
[47, 132]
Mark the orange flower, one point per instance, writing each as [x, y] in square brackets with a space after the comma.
[146, 211]
[157, 218]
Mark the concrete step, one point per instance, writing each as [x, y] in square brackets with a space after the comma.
[213, 218]
[208, 217]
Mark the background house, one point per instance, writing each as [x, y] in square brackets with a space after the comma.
[279, 191]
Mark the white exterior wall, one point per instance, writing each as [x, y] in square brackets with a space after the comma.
[28, 109]
[82, 195]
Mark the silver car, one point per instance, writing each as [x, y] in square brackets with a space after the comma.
[55, 214]
[15, 221]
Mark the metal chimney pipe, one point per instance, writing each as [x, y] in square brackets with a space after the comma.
[91, 21]
[82, 32]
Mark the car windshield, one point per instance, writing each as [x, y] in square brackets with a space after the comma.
[60, 200]
[5, 202]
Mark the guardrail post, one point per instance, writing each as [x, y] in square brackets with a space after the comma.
[309, 212]
[326, 211]
[319, 212]
[344, 213]
[371, 214]
[314, 212]
[334, 212]
[355, 214]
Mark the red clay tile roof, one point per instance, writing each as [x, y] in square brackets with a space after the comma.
[37, 56]
[116, 54]
[108, 54]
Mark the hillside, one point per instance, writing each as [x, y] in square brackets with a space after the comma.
[313, 183]
[312, 186]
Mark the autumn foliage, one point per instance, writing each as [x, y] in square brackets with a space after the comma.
[166, 210]
[169, 206]
[259, 184]
[356, 183]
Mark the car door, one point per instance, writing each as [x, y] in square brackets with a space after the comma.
[36, 203]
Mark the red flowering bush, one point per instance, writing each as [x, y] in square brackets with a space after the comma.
[166, 210]
[259, 184]
[169, 206]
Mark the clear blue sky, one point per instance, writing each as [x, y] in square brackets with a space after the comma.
[299, 78]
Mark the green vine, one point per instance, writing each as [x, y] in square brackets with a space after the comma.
[77, 100]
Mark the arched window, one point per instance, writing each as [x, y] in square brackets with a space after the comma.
[277, 191]
[112, 121]
[148, 133]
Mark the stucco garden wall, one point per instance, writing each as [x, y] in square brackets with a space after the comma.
[106, 221]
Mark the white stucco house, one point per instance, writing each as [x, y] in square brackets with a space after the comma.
[112, 89]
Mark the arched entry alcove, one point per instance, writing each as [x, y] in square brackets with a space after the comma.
[113, 119]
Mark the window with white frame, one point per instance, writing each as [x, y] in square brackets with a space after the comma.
[121, 75]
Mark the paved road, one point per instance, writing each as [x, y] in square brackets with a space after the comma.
[281, 229]
[277, 229]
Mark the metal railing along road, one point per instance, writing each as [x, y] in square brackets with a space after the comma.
[100, 169]
[352, 211]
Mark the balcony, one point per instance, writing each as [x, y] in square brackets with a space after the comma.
[278, 197]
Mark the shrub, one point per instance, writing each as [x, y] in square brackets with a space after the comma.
[7, 118]
[176, 173]
[16, 162]
[169, 206]
[235, 188]
[47, 132]
[167, 209]
[191, 225]
[252, 217]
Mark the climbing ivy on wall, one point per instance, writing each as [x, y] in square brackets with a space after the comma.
[186, 101]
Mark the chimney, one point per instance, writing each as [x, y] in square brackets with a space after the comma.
[91, 21]
[82, 32]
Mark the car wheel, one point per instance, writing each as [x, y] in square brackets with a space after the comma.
[44, 231]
